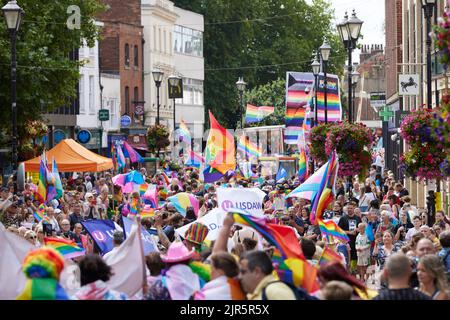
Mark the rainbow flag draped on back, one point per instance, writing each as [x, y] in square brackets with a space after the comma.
[302, 165]
[248, 148]
[256, 114]
[293, 267]
[68, 248]
[184, 133]
[220, 149]
[194, 160]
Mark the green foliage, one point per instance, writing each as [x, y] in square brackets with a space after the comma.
[260, 50]
[157, 138]
[46, 78]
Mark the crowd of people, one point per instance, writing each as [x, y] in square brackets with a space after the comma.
[395, 250]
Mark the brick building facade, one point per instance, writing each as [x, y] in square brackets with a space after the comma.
[121, 50]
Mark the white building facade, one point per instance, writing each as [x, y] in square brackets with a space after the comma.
[174, 44]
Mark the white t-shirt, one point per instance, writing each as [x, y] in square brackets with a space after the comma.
[366, 198]
[411, 232]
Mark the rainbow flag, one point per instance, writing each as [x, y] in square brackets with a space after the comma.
[183, 200]
[184, 133]
[302, 165]
[147, 212]
[68, 248]
[194, 160]
[42, 184]
[134, 206]
[58, 183]
[120, 157]
[328, 255]
[211, 175]
[220, 149]
[292, 267]
[334, 112]
[256, 114]
[40, 213]
[248, 148]
[330, 228]
[295, 115]
[143, 188]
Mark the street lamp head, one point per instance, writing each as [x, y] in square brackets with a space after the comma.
[355, 77]
[157, 76]
[13, 15]
[354, 26]
[325, 51]
[241, 84]
[315, 67]
[174, 80]
[428, 2]
[344, 30]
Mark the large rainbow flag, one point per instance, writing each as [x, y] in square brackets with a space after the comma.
[302, 165]
[68, 248]
[293, 267]
[334, 110]
[256, 114]
[330, 228]
[328, 255]
[220, 149]
[248, 148]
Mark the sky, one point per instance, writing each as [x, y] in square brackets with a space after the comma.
[369, 11]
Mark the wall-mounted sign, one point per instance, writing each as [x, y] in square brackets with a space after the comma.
[125, 121]
[176, 91]
[84, 136]
[377, 100]
[408, 84]
[58, 136]
[103, 115]
[139, 109]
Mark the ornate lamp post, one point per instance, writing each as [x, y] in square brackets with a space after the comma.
[315, 65]
[325, 51]
[428, 8]
[157, 77]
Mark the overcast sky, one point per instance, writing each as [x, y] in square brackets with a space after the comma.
[369, 11]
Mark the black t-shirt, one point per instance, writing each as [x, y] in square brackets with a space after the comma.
[347, 223]
[401, 294]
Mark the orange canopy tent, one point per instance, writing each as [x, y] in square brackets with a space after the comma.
[71, 157]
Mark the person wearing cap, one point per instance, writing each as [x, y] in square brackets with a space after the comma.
[178, 281]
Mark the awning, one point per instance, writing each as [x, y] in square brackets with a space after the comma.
[70, 156]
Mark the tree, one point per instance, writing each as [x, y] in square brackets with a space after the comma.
[259, 40]
[46, 76]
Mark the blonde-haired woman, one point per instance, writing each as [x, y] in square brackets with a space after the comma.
[432, 277]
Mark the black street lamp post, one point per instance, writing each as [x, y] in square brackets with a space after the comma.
[355, 78]
[315, 69]
[157, 77]
[428, 8]
[325, 51]
[350, 30]
[241, 85]
[13, 16]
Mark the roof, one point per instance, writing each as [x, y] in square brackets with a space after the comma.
[70, 156]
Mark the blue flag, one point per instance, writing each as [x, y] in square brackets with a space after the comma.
[147, 240]
[281, 174]
[101, 231]
[369, 232]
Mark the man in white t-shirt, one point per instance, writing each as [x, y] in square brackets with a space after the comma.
[417, 222]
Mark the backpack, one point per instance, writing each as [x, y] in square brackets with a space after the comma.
[300, 293]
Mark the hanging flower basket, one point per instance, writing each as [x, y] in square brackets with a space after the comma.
[425, 155]
[157, 138]
[351, 140]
